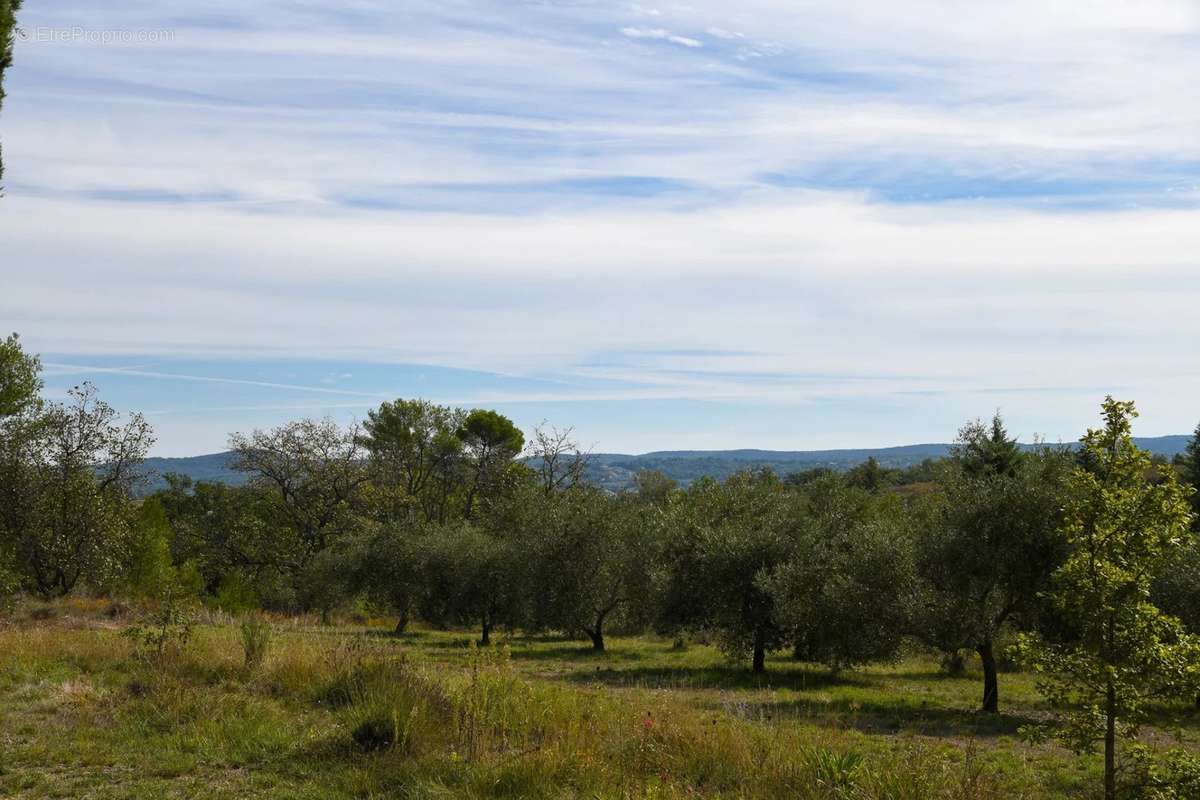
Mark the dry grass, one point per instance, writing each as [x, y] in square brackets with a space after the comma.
[354, 712]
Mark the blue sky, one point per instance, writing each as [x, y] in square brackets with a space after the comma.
[704, 225]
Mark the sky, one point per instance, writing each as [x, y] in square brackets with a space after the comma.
[786, 224]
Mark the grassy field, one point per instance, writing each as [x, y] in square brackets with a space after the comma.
[354, 711]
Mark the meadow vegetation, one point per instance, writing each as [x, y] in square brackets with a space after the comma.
[353, 710]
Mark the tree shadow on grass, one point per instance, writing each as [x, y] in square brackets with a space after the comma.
[713, 677]
[391, 635]
[574, 652]
[884, 717]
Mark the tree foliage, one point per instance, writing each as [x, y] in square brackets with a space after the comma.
[66, 474]
[845, 592]
[1123, 531]
[311, 473]
[8, 24]
[1191, 470]
[416, 458]
[590, 560]
[723, 542]
[990, 544]
[20, 380]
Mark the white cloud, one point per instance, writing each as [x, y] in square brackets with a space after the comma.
[721, 33]
[662, 34]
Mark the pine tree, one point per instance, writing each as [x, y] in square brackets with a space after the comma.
[987, 451]
[1191, 472]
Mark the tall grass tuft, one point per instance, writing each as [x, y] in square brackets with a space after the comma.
[256, 640]
[389, 704]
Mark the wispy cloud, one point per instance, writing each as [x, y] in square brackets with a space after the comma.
[80, 369]
[662, 34]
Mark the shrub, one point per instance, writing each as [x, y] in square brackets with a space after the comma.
[235, 595]
[149, 568]
[167, 629]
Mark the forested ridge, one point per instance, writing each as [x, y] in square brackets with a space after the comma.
[618, 471]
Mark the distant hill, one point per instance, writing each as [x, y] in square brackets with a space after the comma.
[616, 470]
[214, 467]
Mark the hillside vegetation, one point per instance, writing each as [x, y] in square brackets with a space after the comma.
[618, 471]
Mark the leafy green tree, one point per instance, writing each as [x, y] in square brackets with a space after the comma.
[869, 475]
[234, 537]
[471, 576]
[385, 566]
[723, 541]
[805, 477]
[67, 481]
[149, 567]
[845, 593]
[322, 583]
[416, 458]
[1123, 531]
[20, 383]
[653, 487]
[313, 475]
[589, 560]
[20, 379]
[990, 545]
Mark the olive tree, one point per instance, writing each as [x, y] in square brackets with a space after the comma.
[470, 577]
[845, 593]
[589, 560]
[386, 565]
[990, 545]
[723, 541]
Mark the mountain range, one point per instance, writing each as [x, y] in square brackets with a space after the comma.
[616, 470]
